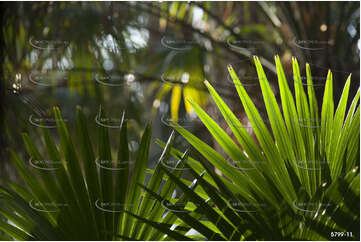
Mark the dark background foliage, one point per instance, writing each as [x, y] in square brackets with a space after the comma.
[148, 47]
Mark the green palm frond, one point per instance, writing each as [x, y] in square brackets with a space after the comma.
[85, 196]
[299, 181]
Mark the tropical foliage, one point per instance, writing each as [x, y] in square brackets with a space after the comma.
[298, 180]
[73, 194]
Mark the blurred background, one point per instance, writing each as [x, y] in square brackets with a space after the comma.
[144, 60]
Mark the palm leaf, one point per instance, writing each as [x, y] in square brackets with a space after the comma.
[87, 201]
[310, 162]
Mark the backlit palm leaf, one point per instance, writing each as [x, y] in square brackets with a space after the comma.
[300, 182]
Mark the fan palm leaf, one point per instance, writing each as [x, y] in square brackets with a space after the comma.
[300, 182]
[85, 196]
